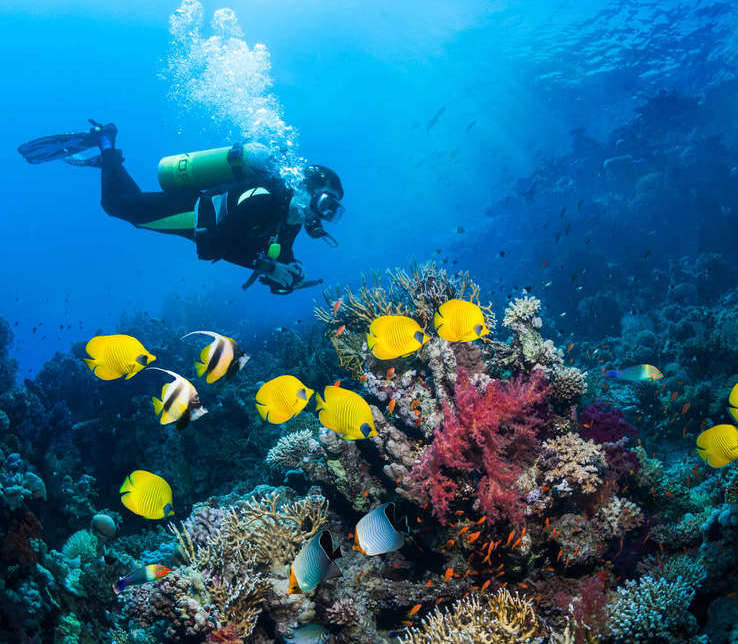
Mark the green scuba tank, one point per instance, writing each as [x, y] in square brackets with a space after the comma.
[202, 170]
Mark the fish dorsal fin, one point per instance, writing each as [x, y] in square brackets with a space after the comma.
[212, 334]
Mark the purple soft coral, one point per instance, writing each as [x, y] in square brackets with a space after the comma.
[603, 423]
[490, 434]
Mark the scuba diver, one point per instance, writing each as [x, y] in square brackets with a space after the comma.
[230, 201]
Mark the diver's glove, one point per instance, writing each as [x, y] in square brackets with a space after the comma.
[288, 276]
[279, 277]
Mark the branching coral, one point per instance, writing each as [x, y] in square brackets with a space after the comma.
[490, 435]
[571, 464]
[568, 384]
[652, 610]
[497, 619]
[416, 294]
[617, 517]
[293, 450]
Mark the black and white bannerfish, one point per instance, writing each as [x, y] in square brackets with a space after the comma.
[221, 357]
[179, 402]
[314, 563]
[376, 533]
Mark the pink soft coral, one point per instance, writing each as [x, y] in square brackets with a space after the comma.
[490, 434]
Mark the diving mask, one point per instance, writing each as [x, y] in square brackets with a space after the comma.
[327, 206]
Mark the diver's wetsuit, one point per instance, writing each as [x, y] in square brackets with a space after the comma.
[238, 223]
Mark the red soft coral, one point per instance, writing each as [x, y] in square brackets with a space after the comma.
[491, 435]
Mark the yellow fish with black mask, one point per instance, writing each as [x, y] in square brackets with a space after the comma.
[281, 398]
[394, 336]
[115, 356]
[460, 321]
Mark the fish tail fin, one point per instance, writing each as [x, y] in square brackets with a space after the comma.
[91, 363]
[119, 586]
[319, 403]
[158, 405]
[294, 587]
[333, 571]
[242, 360]
[370, 341]
[200, 368]
[197, 412]
[437, 320]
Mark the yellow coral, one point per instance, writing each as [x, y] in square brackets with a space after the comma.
[498, 619]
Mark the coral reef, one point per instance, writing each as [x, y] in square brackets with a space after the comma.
[502, 618]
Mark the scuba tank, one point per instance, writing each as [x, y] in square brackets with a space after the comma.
[202, 170]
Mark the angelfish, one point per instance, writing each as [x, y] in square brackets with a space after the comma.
[314, 563]
[179, 402]
[141, 576]
[221, 357]
[637, 373]
[375, 532]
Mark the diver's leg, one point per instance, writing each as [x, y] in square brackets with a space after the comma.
[121, 197]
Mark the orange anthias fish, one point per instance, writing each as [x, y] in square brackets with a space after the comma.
[448, 574]
[391, 406]
[337, 305]
[340, 330]
[414, 610]
[414, 404]
[686, 407]
[390, 373]
[674, 396]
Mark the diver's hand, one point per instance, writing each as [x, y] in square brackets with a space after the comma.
[287, 276]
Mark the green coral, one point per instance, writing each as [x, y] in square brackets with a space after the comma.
[68, 630]
[82, 544]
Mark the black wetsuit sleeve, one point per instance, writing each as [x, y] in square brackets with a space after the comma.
[287, 236]
[121, 197]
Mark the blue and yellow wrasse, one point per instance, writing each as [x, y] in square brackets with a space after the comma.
[141, 575]
[637, 373]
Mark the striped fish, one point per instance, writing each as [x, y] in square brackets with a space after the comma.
[314, 563]
[281, 398]
[394, 336]
[179, 402]
[221, 357]
[733, 402]
[147, 495]
[345, 412]
[375, 532]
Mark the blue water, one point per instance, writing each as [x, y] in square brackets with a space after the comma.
[360, 83]
[584, 153]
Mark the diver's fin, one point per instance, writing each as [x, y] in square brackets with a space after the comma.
[58, 146]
